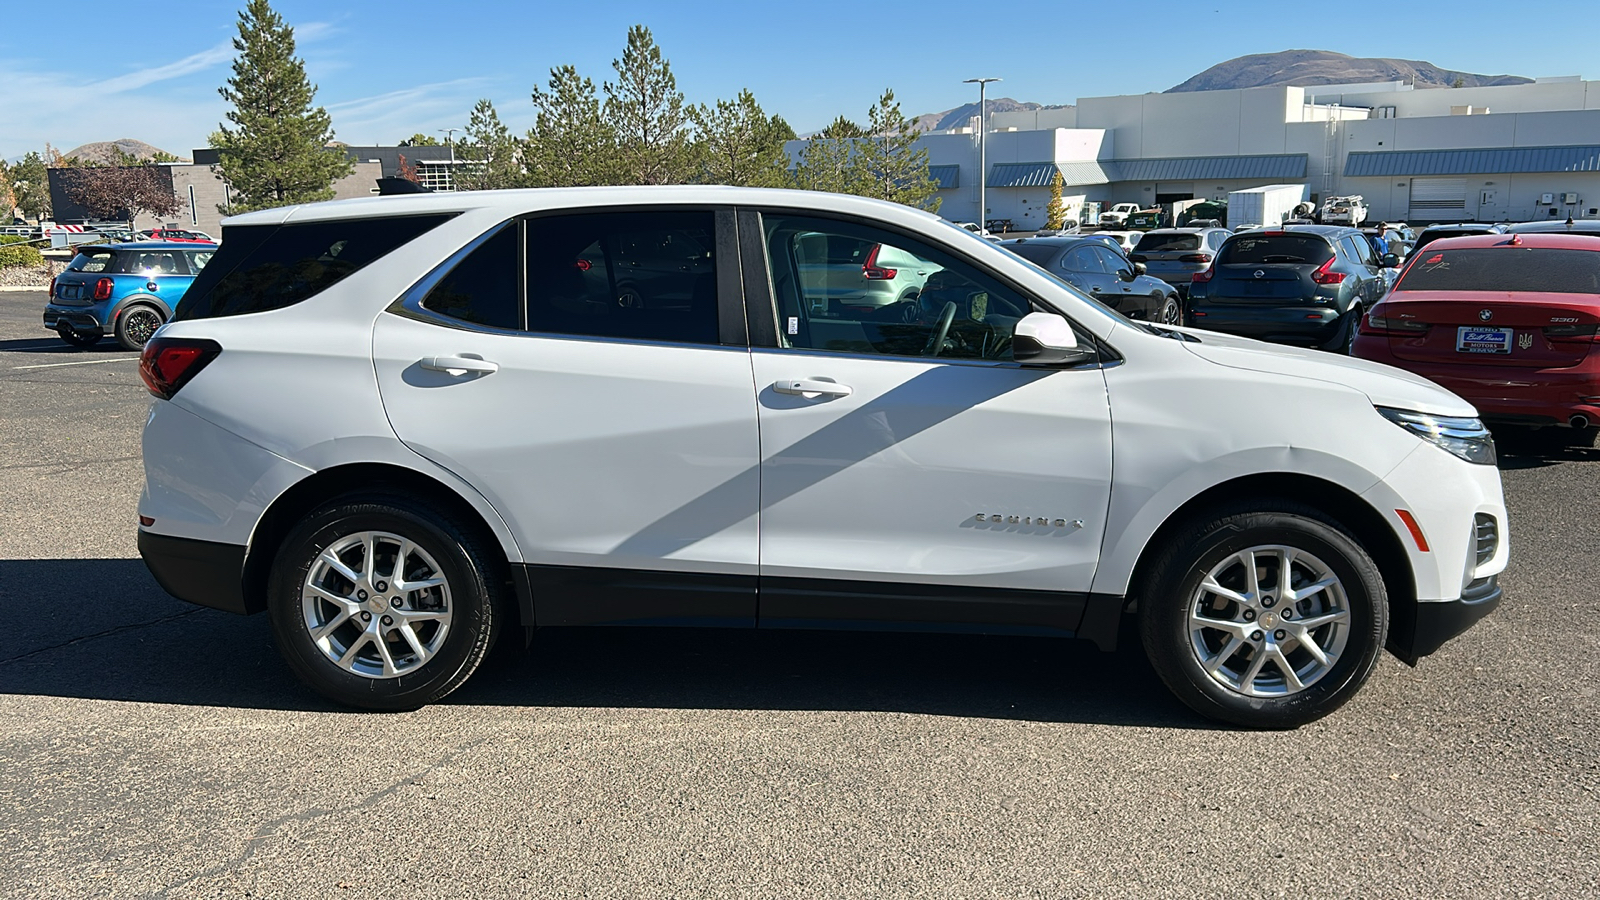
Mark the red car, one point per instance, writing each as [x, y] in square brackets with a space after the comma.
[1507, 321]
[176, 234]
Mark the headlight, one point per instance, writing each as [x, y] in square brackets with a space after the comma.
[1466, 438]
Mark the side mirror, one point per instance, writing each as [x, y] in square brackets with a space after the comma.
[1389, 261]
[1140, 268]
[1046, 339]
[1127, 274]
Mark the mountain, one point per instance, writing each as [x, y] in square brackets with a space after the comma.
[958, 117]
[101, 151]
[1311, 67]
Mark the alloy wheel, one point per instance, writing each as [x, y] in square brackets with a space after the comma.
[376, 604]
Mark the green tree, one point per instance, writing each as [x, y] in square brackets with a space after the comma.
[420, 140]
[490, 154]
[828, 160]
[277, 153]
[571, 143]
[889, 163]
[1055, 214]
[736, 143]
[8, 195]
[647, 110]
[30, 184]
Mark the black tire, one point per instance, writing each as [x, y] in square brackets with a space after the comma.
[79, 338]
[1345, 341]
[477, 600]
[1169, 311]
[1174, 581]
[136, 323]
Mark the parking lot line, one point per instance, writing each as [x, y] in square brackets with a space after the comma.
[86, 362]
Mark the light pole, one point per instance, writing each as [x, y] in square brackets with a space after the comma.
[450, 140]
[983, 139]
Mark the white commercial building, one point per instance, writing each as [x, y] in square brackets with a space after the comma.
[1507, 153]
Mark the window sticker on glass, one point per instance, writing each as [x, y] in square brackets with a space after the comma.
[794, 324]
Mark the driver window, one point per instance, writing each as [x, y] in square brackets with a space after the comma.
[852, 289]
[1083, 259]
[1114, 263]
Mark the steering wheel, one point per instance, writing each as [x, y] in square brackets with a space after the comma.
[936, 342]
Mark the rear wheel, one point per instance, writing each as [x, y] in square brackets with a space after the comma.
[1170, 312]
[136, 324]
[382, 603]
[1266, 617]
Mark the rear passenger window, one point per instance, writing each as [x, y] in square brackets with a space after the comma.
[151, 262]
[639, 275]
[482, 288]
[263, 267]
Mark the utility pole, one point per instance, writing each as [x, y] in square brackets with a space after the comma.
[450, 141]
[983, 140]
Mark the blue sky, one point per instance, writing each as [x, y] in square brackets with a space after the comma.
[388, 69]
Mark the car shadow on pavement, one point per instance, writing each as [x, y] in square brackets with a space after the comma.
[56, 345]
[101, 629]
[1529, 448]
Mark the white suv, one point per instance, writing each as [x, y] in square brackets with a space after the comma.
[405, 426]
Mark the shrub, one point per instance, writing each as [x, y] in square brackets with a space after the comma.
[14, 254]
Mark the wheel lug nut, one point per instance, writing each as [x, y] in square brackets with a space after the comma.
[1280, 634]
[1255, 636]
[381, 586]
[1249, 615]
[1268, 602]
[1287, 613]
[395, 602]
[388, 620]
[366, 617]
[361, 595]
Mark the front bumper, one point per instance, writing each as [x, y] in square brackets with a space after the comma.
[1306, 325]
[1433, 624]
[201, 572]
[80, 319]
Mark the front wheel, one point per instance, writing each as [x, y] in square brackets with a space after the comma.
[382, 603]
[1170, 311]
[1264, 617]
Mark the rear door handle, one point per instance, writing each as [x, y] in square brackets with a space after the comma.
[803, 386]
[458, 365]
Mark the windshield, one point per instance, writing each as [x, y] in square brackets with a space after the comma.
[1250, 250]
[1157, 243]
[1501, 269]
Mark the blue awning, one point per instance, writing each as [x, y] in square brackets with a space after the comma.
[1487, 161]
[1042, 174]
[1207, 168]
[947, 176]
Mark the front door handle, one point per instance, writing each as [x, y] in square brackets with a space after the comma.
[458, 365]
[803, 386]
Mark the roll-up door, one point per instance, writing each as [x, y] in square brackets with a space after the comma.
[1438, 199]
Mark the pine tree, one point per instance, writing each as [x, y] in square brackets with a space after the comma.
[1055, 214]
[571, 143]
[890, 166]
[828, 159]
[736, 143]
[490, 155]
[648, 112]
[30, 181]
[277, 152]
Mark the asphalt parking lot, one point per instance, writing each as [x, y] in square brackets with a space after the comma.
[157, 749]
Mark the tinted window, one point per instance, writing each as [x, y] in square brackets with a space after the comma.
[643, 275]
[262, 267]
[482, 288]
[1160, 243]
[826, 302]
[1112, 260]
[92, 261]
[151, 262]
[199, 258]
[1083, 259]
[1038, 254]
[1276, 248]
[1505, 269]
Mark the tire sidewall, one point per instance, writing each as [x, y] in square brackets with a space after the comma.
[123, 338]
[472, 619]
[1164, 619]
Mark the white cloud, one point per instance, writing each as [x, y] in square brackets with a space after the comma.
[198, 62]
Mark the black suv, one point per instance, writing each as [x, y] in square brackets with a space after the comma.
[1302, 284]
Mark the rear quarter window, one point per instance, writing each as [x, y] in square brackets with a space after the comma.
[1275, 248]
[91, 261]
[1502, 269]
[264, 267]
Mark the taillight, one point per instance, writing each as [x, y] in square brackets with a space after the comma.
[1203, 276]
[1325, 275]
[1195, 258]
[52, 287]
[168, 364]
[871, 269]
[1373, 323]
[102, 289]
[1580, 334]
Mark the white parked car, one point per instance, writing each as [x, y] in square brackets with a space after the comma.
[406, 427]
[1117, 215]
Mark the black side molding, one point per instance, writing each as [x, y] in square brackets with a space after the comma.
[1437, 623]
[200, 572]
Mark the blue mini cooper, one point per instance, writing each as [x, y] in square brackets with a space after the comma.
[126, 290]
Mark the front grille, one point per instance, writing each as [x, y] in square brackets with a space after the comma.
[1487, 535]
